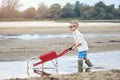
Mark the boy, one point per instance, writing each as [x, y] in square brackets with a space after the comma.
[80, 44]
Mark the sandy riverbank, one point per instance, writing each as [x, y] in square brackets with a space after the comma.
[101, 75]
[15, 49]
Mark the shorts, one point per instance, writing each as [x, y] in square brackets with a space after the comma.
[82, 54]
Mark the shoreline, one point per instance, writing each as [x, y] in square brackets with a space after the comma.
[97, 75]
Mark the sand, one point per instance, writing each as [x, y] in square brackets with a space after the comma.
[21, 49]
[51, 27]
[100, 75]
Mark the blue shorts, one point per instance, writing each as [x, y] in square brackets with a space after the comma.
[82, 54]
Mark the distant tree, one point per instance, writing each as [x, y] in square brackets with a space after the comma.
[116, 13]
[42, 11]
[9, 8]
[54, 11]
[77, 9]
[30, 13]
[86, 15]
[89, 14]
[68, 11]
[80, 8]
[119, 7]
[101, 15]
[100, 4]
[83, 8]
[12, 4]
[109, 16]
[110, 8]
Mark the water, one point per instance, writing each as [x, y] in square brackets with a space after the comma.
[35, 36]
[67, 64]
[50, 36]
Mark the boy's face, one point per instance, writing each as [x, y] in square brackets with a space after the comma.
[73, 27]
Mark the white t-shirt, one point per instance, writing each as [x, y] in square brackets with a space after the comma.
[79, 38]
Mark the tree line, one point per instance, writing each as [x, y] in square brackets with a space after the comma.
[9, 10]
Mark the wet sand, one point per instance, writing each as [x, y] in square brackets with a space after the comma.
[14, 49]
[100, 75]
[103, 75]
[22, 49]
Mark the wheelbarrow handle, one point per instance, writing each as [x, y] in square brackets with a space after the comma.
[64, 52]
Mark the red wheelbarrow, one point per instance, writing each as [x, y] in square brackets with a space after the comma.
[48, 57]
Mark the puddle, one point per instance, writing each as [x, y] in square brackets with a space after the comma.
[38, 36]
[66, 65]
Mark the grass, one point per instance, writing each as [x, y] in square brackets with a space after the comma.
[69, 19]
[58, 20]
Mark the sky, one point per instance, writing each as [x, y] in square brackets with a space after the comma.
[34, 3]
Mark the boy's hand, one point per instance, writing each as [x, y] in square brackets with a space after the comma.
[70, 48]
[73, 48]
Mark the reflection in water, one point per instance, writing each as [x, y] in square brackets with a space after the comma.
[89, 69]
[41, 70]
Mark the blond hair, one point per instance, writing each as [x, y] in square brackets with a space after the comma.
[76, 22]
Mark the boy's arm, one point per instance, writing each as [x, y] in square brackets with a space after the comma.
[72, 45]
[75, 46]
